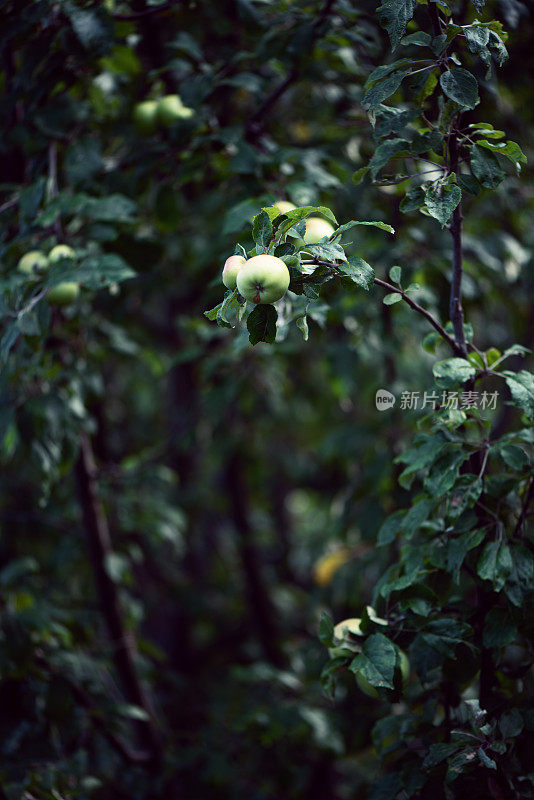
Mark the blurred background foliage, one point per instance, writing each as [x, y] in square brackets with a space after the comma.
[224, 473]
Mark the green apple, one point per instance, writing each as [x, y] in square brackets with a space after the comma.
[170, 109]
[263, 279]
[232, 266]
[284, 206]
[316, 229]
[145, 116]
[351, 625]
[60, 252]
[33, 262]
[63, 294]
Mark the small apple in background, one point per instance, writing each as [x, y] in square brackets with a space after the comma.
[263, 279]
[59, 252]
[351, 625]
[284, 206]
[33, 262]
[170, 109]
[232, 266]
[316, 229]
[145, 116]
[63, 294]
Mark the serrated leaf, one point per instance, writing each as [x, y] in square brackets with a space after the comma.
[495, 564]
[348, 225]
[521, 385]
[390, 528]
[394, 15]
[509, 149]
[438, 752]
[453, 371]
[359, 272]
[485, 167]
[441, 201]
[261, 324]
[377, 661]
[383, 89]
[384, 152]
[461, 86]
[330, 251]
[326, 630]
[262, 230]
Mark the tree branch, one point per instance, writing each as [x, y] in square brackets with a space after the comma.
[526, 504]
[407, 299]
[96, 526]
[255, 124]
[456, 311]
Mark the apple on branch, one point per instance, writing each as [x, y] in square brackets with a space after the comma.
[263, 279]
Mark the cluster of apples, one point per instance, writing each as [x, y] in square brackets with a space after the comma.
[265, 278]
[151, 114]
[351, 627]
[36, 262]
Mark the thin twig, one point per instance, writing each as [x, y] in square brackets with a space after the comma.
[456, 311]
[524, 510]
[85, 700]
[53, 185]
[255, 123]
[407, 299]
[420, 310]
[9, 204]
[98, 535]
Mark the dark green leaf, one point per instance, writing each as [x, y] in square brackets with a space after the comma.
[359, 272]
[485, 168]
[461, 86]
[521, 385]
[262, 231]
[495, 564]
[499, 628]
[394, 15]
[380, 91]
[377, 661]
[452, 372]
[261, 324]
[441, 201]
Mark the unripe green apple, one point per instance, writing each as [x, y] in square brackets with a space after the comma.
[145, 117]
[263, 279]
[351, 625]
[343, 629]
[63, 294]
[232, 266]
[33, 262]
[170, 109]
[284, 206]
[316, 229]
[59, 252]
